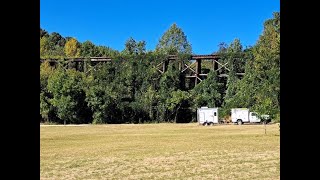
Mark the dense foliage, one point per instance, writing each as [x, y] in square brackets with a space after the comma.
[130, 89]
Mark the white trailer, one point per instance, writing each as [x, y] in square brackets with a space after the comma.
[207, 116]
[243, 115]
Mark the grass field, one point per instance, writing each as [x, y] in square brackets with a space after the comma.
[159, 151]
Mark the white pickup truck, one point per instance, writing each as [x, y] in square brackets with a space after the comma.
[243, 115]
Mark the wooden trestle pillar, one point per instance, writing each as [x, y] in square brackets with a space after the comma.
[214, 65]
[198, 71]
[165, 65]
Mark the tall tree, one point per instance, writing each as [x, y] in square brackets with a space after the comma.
[149, 99]
[88, 49]
[235, 46]
[46, 107]
[141, 47]
[233, 52]
[260, 87]
[45, 46]
[133, 47]
[57, 39]
[174, 41]
[67, 88]
[267, 66]
[169, 82]
[72, 48]
[233, 56]
[130, 46]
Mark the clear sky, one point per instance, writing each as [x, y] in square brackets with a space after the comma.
[206, 23]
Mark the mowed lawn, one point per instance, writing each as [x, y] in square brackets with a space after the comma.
[160, 151]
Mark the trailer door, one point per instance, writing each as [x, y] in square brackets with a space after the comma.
[215, 117]
[201, 117]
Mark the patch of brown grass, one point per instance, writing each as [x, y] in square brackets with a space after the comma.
[159, 151]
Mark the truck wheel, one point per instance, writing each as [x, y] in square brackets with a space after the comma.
[205, 124]
[239, 122]
[211, 123]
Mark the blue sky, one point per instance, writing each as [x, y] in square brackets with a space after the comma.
[206, 23]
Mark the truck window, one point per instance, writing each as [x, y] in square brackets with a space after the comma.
[254, 114]
[215, 114]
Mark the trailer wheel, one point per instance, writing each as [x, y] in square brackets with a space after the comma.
[239, 122]
[205, 124]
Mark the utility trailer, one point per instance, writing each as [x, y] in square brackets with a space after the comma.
[207, 116]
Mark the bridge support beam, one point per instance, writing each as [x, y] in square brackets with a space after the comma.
[214, 65]
[198, 71]
[165, 65]
[180, 65]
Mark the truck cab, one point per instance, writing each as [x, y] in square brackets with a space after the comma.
[253, 117]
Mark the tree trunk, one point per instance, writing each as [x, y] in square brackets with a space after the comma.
[150, 112]
[175, 118]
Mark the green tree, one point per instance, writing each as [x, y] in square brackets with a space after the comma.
[133, 48]
[233, 53]
[67, 88]
[88, 49]
[176, 100]
[101, 100]
[104, 51]
[130, 46]
[234, 57]
[235, 46]
[168, 83]
[260, 87]
[174, 41]
[45, 106]
[207, 93]
[149, 99]
[49, 50]
[45, 46]
[57, 39]
[267, 66]
[141, 47]
[103, 93]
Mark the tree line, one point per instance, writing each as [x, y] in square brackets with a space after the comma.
[131, 90]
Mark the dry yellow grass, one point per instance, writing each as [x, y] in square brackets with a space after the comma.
[159, 151]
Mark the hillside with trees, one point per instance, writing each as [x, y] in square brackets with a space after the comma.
[131, 90]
